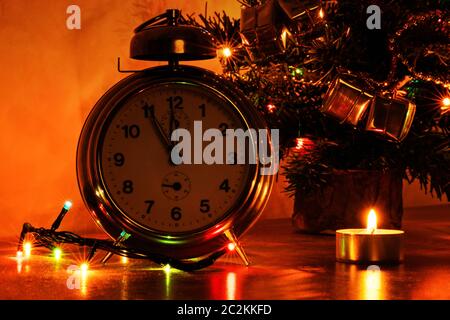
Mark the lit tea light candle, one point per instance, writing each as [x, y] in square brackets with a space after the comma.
[370, 245]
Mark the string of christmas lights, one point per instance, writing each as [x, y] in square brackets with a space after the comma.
[302, 86]
[53, 239]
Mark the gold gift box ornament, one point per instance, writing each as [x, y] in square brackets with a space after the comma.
[390, 118]
[265, 28]
[261, 29]
[345, 102]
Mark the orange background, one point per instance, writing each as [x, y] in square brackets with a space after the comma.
[50, 78]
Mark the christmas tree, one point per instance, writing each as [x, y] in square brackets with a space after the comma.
[352, 85]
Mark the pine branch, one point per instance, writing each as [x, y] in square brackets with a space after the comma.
[295, 80]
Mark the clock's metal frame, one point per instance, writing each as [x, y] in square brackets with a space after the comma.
[107, 214]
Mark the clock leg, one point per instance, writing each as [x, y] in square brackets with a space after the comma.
[106, 258]
[239, 249]
[123, 236]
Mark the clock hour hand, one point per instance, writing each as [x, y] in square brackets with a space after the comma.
[172, 118]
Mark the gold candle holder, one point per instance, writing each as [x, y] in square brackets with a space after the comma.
[370, 245]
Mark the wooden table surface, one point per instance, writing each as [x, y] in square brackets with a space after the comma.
[285, 265]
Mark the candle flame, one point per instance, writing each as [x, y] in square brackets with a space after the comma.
[372, 221]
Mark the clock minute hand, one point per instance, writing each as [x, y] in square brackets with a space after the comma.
[164, 138]
[162, 135]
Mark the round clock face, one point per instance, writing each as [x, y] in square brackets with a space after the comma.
[136, 166]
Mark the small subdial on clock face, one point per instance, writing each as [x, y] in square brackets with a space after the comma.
[176, 186]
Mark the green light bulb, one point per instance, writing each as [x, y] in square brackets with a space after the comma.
[67, 205]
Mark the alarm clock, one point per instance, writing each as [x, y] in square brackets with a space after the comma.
[127, 179]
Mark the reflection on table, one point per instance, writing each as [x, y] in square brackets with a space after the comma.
[285, 265]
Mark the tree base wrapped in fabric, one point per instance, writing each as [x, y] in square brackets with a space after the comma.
[347, 198]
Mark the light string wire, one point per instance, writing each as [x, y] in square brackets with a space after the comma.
[51, 239]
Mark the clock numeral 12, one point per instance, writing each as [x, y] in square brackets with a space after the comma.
[175, 102]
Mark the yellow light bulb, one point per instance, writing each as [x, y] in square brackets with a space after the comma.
[27, 249]
[284, 37]
[271, 108]
[446, 102]
[321, 14]
[124, 260]
[227, 52]
[84, 268]
[299, 143]
[167, 268]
